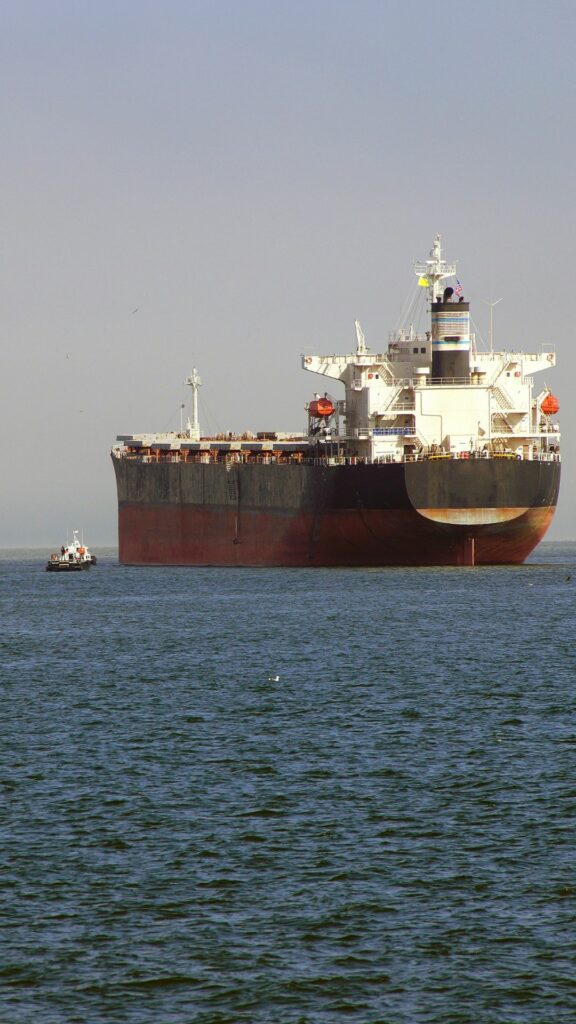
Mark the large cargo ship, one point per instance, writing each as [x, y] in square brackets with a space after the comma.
[438, 454]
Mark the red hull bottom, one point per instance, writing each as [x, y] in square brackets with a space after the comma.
[196, 535]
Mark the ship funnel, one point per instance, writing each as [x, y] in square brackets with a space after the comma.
[450, 338]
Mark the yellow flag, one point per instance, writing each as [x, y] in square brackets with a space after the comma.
[423, 282]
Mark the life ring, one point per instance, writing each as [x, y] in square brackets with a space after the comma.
[550, 357]
[308, 359]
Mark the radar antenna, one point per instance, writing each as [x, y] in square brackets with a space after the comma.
[432, 271]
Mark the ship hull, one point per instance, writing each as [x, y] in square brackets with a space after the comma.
[445, 512]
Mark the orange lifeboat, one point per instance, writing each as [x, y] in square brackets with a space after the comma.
[321, 407]
[550, 405]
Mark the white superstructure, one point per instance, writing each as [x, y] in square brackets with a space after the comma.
[393, 406]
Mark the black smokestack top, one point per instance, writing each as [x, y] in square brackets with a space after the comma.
[448, 293]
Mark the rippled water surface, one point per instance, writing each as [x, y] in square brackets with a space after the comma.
[385, 833]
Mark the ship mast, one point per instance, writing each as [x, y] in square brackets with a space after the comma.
[194, 382]
[432, 271]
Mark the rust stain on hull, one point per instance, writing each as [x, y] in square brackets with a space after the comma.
[188, 535]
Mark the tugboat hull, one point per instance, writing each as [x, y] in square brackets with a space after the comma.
[61, 566]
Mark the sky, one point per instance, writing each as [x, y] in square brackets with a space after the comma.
[227, 184]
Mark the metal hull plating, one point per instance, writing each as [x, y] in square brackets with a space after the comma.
[452, 512]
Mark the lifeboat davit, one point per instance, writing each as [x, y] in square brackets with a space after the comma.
[321, 407]
[550, 405]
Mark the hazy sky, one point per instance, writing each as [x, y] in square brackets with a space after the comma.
[229, 183]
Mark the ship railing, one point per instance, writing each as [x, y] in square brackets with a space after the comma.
[365, 433]
[392, 382]
[401, 407]
[390, 431]
[366, 359]
[546, 349]
[419, 381]
[352, 460]
[459, 382]
[333, 455]
[531, 455]
[406, 337]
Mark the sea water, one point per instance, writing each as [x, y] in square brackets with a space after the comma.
[288, 796]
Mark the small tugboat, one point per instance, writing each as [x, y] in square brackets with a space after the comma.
[73, 557]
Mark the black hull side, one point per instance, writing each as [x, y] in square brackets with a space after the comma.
[451, 511]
